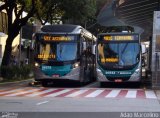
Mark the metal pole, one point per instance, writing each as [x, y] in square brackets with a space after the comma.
[20, 39]
[85, 24]
[158, 7]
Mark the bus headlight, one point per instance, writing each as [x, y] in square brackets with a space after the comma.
[36, 64]
[137, 71]
[76, 65]
[98, 70]
[136, 75]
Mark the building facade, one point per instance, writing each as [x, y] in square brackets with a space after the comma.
[3, 36]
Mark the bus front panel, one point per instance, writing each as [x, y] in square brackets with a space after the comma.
[118, 59]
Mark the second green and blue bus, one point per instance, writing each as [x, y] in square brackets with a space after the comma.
[119, 57]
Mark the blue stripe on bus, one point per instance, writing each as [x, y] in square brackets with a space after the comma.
[120, 73]
[56, 70]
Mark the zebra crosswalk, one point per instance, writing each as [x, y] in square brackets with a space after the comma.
[78, 93]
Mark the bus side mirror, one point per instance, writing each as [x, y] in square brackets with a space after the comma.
[143, 61]
[33, 44]
[94, 49]
[84, 46]
[143, 49]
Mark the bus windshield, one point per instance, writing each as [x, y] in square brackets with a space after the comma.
[118, 54]
[57, 51]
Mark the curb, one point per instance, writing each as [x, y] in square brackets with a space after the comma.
[16, 81]
[157, 91]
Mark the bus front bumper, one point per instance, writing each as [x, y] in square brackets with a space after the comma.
[133, 78]
[40, 76]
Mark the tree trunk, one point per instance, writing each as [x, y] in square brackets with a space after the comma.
[6, 56]
[7, 52]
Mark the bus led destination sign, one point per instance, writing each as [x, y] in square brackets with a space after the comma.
[118, 38]
[58, 38]
[46, 56]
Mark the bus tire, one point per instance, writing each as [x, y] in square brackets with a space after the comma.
[84, 75]
[94, 68]
[45, 84]
[102, 84]
[138, 84]
[81, 78]
[94, 72]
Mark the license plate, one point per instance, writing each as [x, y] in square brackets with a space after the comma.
[55, 75]
[118, 80]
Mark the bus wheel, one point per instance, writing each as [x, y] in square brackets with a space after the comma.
[102, 84]
[94, 75]
[87, 75]
[138, 84]
[45, 84]
[84, 75]
[105, 84]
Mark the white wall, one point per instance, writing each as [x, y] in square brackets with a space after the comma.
[3, 43]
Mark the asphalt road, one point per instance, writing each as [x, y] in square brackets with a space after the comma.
[71, 107]
[37, 104]
[80, 114]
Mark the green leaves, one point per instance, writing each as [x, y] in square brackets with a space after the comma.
[74, 11]
[79, 10]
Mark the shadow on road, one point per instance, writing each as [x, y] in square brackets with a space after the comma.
[145, 84]
[60, 84]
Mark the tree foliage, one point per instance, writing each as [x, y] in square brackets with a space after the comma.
[74, 11]
[16, 7]
[48, 11]
[77, 11]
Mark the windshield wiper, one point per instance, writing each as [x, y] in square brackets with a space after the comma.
[124, 48]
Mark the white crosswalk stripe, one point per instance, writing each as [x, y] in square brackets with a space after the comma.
[150, 94]
[113, 93]
[23, 92]
[39, 93]
[95, 93]
[76, 93]
[131, 94]
[58, 93]
[14, 90]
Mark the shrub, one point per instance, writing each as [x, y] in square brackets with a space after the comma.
[25, 71]
[16, 72]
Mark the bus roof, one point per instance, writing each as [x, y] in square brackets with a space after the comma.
[66, 29]
[119, 33]
[62, 28]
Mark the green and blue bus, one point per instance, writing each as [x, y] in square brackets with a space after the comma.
[64, 52]
[119, 57]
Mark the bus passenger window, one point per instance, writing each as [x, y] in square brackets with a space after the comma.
[101, 51]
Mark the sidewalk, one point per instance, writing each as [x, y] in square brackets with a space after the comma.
[26, 81]
[157, 93]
